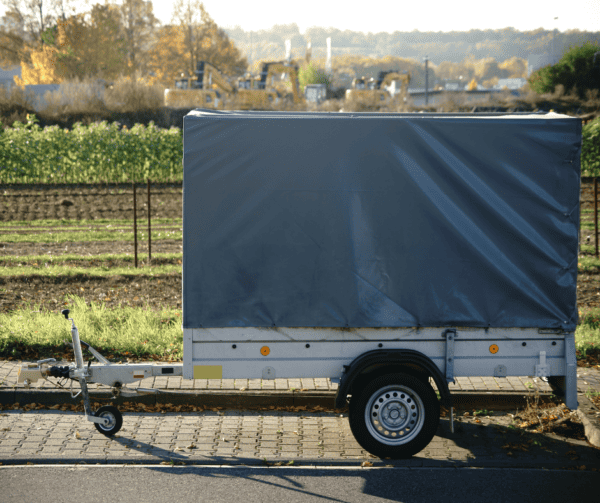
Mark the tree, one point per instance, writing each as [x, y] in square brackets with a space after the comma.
[83, 45]
[33, 15]
[310, 74]
[14, 46]
[138, 24]
[577, 71]
[193, 36]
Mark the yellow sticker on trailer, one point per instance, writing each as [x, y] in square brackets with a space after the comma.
[208, 371]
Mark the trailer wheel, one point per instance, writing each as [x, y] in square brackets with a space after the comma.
[394, 416]
[115, 420]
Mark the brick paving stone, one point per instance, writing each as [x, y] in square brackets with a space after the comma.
[312, 453]
[254, 384]
[281, 384]
[266, 452]
[214, 384]
[200, 383]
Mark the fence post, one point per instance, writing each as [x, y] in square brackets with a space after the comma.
[149, 228]
[596, 213]
[135, 226]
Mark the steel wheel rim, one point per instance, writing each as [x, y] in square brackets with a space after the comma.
[112, 421]
[394, 415]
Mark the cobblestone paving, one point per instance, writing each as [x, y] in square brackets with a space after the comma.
[277, 437]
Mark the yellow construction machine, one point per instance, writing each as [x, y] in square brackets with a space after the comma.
[207, 90]
[390, 87]
[211, 90]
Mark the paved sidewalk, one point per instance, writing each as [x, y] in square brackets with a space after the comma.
[233, 437]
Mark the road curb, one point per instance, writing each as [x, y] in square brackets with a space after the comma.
[283, 461]
[236, 399]
[591, 421]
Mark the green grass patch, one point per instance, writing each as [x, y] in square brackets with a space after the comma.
[123, 332]
[71, 257]
[98, 271]
[587, 335]
[588, 264]
[89, 236]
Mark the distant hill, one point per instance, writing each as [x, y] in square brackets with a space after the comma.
[452, 46]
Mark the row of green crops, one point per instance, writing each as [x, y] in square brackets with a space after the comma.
[108, 153]
[590, 148]
[89, 154]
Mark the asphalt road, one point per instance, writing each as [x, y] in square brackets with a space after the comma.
[157, 484]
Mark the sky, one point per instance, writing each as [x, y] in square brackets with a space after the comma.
[393, 15]
[396, 15]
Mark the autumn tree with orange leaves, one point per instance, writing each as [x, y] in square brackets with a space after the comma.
[81, 46]
[193, 36]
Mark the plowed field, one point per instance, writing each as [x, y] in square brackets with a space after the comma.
[94, 204]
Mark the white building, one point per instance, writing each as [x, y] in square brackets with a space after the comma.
[7, 76]
[517, 83]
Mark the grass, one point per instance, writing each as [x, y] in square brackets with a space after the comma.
[124, 332]
[587, 335]
[146, 332]
[70, 270]
[71, 257]
[90, 236]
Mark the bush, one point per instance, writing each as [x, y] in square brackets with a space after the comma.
[131, 95]
[310, 74]
[590, 148]
[577, 72]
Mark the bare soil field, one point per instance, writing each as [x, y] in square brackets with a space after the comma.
[31, 203]
[90, 202]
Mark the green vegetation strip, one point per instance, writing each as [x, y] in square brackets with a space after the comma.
[71, 257]
[89, 236]
[124, 332]
[102, 271]
[149, 331]
[89, 154]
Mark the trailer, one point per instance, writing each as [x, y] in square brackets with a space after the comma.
[387, 252]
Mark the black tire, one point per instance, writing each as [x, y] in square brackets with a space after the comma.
[115, 420]
[394, 416]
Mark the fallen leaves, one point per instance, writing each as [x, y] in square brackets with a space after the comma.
[366, 464]
[515, 447]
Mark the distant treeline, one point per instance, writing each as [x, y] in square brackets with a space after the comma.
[452, 46]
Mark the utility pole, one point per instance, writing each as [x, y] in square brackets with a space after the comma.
[426, 80]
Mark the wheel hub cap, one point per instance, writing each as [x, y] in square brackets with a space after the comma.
[394, 414]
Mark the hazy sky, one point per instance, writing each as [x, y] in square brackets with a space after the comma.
[392, 15]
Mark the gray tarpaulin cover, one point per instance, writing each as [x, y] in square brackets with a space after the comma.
[380, 220]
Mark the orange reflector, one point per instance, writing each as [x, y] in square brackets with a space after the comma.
[493, 349]
[265, 350]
